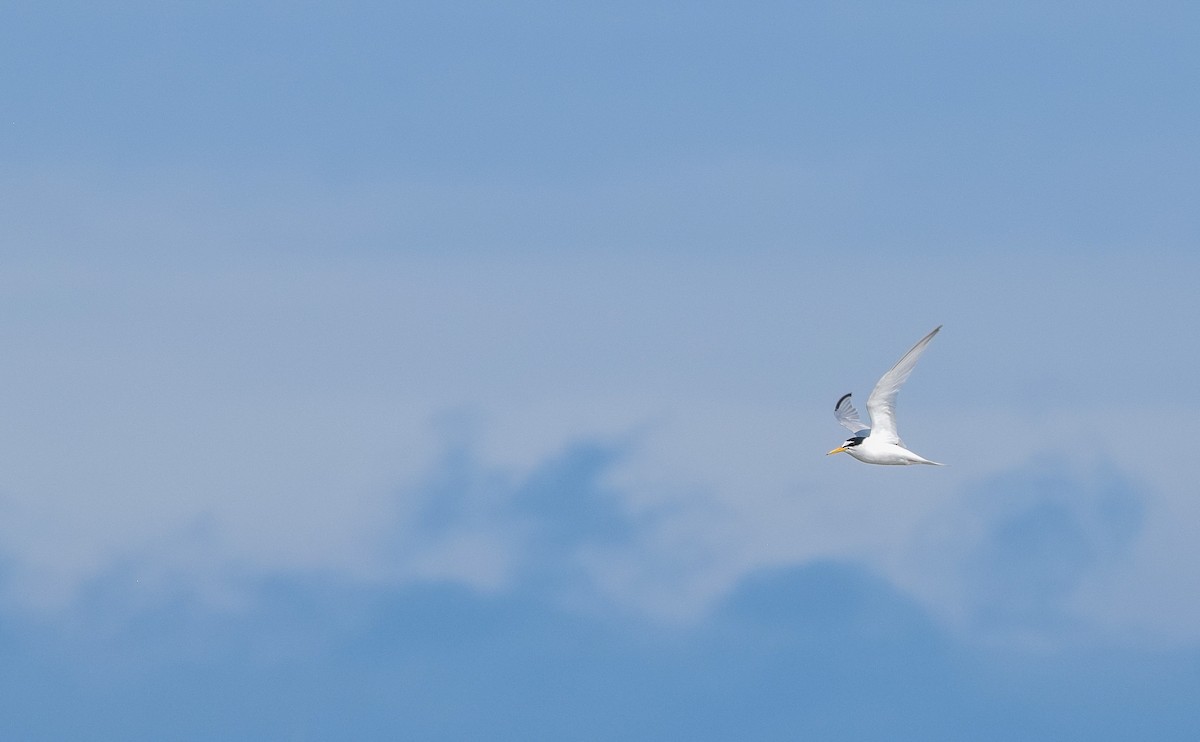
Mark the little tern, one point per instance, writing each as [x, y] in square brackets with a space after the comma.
[879, 443]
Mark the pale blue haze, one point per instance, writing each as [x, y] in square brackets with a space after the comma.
[462, 370]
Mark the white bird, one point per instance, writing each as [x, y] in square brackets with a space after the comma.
[880, 444]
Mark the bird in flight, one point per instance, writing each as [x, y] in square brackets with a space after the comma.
[879, 443]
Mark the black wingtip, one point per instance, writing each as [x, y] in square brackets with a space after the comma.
[839, 402]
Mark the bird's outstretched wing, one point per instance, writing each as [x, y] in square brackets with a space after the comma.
[848, 416]
[881, 405]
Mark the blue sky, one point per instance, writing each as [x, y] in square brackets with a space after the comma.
[461, 370]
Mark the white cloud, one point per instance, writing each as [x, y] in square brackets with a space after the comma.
[288, 393]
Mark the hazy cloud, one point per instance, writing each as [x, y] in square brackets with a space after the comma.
[1012, 551]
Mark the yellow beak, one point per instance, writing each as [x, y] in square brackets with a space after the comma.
[839, 449]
